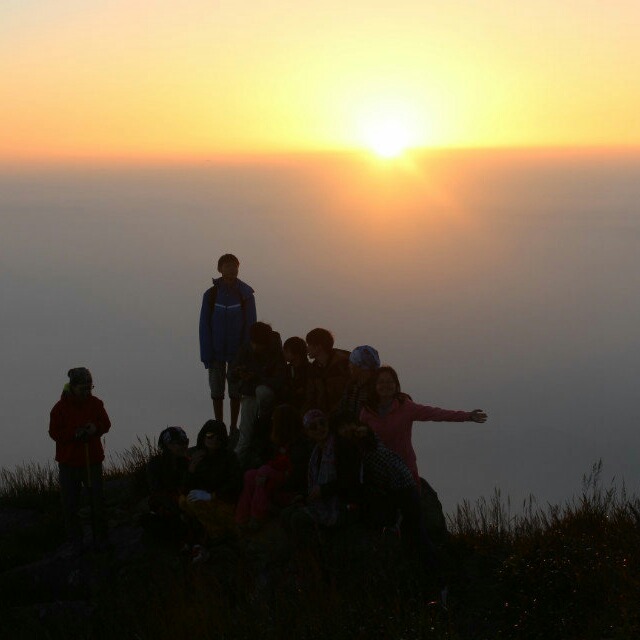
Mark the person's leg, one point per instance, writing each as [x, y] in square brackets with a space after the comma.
[235, 412]
[70, 489]
[243, 508]
[215, 516]
[247, 421]
[218, 409]
[96, 496]
[265, 399]
[234, 402]
[303, 530]
[413, 530]
[267, 481]
[299, 525]
[216, 384]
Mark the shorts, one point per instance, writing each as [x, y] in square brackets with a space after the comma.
[217, 376]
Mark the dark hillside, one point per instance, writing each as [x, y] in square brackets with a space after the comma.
[568, 571]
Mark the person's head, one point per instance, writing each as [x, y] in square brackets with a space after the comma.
[213, 436]
[363, 362]
[80, 382]
[344, 424]
[319, 342]
[173, 441]
[295, 350]
[260, 336]
[316, 425]
[386, 383]
[286, 424]
[228, 266]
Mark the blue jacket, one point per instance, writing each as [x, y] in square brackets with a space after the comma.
[224, 331]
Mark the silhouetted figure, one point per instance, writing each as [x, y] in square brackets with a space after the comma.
[213, 484]
[167, 480]
[228, 310]
[329, 370]
[260, 485]
[77, 422]
[261, 372]
[391, 414]
[299, 372]
[363, 362]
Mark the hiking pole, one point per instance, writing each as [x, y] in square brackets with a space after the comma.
[92, 509]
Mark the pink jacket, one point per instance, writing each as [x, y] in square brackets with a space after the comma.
[394, 428]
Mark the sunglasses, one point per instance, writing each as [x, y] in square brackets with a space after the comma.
[210, 435]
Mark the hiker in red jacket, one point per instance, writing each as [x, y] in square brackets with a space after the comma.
[77, 422]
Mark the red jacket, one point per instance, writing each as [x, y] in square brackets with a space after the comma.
[70, 413]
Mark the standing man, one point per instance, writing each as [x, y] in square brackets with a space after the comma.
[77, 422]
[228, 310]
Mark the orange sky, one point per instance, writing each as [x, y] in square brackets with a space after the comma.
[200, 78]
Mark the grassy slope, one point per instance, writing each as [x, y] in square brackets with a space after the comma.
[571, 571]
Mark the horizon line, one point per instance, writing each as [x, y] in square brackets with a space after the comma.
[233, 157]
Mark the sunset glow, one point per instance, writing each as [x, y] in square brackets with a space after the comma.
[196, 79]
[388, 138]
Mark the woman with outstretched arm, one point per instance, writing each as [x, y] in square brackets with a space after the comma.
[391, 413]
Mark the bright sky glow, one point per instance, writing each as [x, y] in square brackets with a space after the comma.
[387, 137]
[191, 79]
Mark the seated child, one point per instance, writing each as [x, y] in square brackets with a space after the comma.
[332, 477]
[213, 483]
[166, 477]
[391, 498]
[261, 484]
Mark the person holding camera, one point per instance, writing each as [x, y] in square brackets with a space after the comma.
[77, 422]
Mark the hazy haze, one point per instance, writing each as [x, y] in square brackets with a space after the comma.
[506, 281]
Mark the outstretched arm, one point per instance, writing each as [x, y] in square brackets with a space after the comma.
[424, 412]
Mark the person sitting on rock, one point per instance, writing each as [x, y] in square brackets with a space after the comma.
[213, 484]
[261, 484]
[391, 501]
[166, 477]
[332, 479]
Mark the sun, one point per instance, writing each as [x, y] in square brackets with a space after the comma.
[387, 136]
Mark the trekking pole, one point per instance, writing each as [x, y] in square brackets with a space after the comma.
[92, 510]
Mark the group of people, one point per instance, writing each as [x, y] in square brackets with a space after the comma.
[318, 436]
